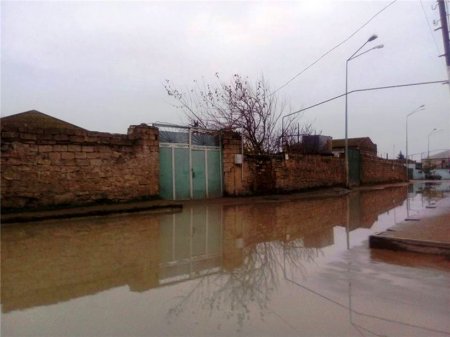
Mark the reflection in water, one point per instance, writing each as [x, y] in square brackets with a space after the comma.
[233, 262]
[251, 283]
[55, 261]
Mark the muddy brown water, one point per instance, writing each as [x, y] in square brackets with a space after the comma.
[277, 268]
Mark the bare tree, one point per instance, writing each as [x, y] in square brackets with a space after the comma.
[240, 105]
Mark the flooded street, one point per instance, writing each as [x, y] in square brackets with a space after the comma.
[291, 267]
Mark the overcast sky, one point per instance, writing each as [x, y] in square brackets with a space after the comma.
[102, 65]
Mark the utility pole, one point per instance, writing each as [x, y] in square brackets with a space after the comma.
[445, 34]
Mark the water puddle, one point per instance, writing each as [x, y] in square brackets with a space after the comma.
[270, 268]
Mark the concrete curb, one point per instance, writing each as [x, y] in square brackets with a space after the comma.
[403, 244]
[89, 211]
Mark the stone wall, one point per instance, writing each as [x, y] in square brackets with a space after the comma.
[376, 170]
[294, 172]
[237, 178]
[71, 166]
[303, 172]
[278, 174]
[50, 167]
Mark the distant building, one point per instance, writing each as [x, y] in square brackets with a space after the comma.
[415, 170]
[363, 145]
[438, 164]
[439, 160]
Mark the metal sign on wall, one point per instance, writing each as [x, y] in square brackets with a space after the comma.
[190, 163]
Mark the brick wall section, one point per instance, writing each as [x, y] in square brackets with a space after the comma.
[237, 179]
[275, 174]
[49, 167]
[376, 170]
[278, 174]
[303, 172]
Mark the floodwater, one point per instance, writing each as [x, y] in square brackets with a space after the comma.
[265, 268]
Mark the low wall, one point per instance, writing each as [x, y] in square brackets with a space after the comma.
[49, 167]
[276, 174]
[303, 172]
[61, 166]
[282, 173]
[238, 179]
[376, 170]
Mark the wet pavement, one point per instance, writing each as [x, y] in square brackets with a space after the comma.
[427, 231]
[272, 268]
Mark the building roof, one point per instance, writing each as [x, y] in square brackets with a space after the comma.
[34, 119]
[352, 142]
[441, 155]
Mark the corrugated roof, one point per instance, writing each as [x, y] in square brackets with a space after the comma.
[36, 120]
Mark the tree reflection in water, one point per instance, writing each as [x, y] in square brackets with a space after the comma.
[235, 292]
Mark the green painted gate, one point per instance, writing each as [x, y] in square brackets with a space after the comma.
[354, 167]
[190, 164]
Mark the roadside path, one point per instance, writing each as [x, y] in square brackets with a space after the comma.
[429, 234]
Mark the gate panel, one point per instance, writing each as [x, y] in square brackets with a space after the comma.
[354, 167]
[190, 163]
[198, 174]
[214, 174]
[165, 173]
[182, 185]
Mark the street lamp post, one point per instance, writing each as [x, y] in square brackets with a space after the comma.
[354, 55]
[422, 107]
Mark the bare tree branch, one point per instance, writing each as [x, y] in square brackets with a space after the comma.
[238, 105]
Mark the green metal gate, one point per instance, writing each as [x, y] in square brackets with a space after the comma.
[354, 167]
[190, 163]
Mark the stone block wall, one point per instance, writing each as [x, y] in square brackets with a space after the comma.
[237, 178]
[62, 166]
[50, 167]
[277, 174]
[303, 172]
[376, 170]
[294, 172]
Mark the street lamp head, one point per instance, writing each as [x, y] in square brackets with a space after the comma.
[379, 46]
[373, 37]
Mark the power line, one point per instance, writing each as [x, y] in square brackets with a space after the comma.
[338, 45]
[365, 89]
